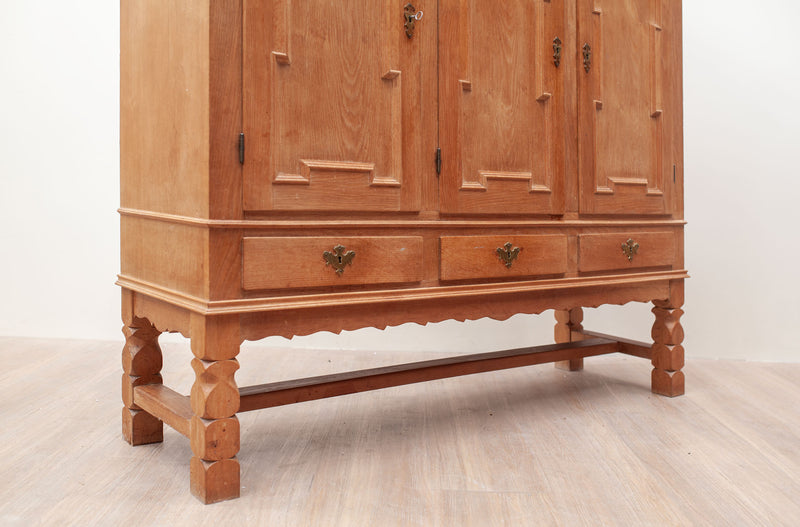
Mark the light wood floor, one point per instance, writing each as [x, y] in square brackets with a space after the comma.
[533, 446]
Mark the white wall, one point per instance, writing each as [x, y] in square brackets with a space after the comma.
[59, 187]
[59, 168]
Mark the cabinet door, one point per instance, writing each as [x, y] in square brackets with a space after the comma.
[331, 106]
[501, 107]
[629, 86]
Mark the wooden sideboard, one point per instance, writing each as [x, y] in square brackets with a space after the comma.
[293, 167]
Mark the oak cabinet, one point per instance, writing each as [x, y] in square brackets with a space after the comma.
[291, 167]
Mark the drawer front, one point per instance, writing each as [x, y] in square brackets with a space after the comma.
[472, 257]
[277, 263]
[611, 252]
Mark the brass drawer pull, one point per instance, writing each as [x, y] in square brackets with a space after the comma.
[338, 259]
[630, 248]
[507, 255]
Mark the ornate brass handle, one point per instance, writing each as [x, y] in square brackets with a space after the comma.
[557, 51]
[587, 57]
[411, 16]
[630, 248]
[338, 259]
[507, 254]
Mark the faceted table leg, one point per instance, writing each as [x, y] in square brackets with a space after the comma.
[569, 329]
[214, 432]
[667, 377]
[141, 363]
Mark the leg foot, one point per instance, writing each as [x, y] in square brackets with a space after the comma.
[668, 383]
[141, 428]
[569, 329]
[213, 481]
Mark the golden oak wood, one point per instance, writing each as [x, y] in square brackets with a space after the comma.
[333, 106]
[155, 96]
[214, 429]
[165, 404]
[627, 346]
[667, 351]
[568, 328]
[607, 252]
[342, 115]
[141, 364]
[472, 257]
[501, 103]
[272, 263]
[301, 390]
[627, 106]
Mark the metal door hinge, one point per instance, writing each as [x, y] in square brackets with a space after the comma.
[557, 51]
[241, 148]
[587, 57]
[438, 161]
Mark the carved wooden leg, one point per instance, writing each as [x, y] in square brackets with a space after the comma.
[141, 363]
[667, 377]
[214, 434]
[569, 329]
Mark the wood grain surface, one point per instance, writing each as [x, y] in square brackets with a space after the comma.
[333, 106]
[501, 108]
[294, 262]
[629, 107]
[603, 252]
[472, 257]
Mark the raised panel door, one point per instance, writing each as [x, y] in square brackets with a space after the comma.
[501, 107]
[628, 98]
[331, 106]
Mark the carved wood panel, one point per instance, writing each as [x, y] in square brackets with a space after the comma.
[501, 107]
[329, 99]
[622, 135]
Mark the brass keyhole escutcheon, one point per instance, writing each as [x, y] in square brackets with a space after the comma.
[411, 16]
[630, 248]
[508, 253]
[557, 51]
[339, 259]
[587, 57]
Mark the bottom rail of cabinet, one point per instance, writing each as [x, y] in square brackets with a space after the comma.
[175, 410]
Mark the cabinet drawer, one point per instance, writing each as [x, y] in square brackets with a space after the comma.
[470, 257]
[604, 252]
[276, 263]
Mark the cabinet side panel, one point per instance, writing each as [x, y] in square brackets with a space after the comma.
[225, 109]
[164, 110]
[167, 255]
[674, 96]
